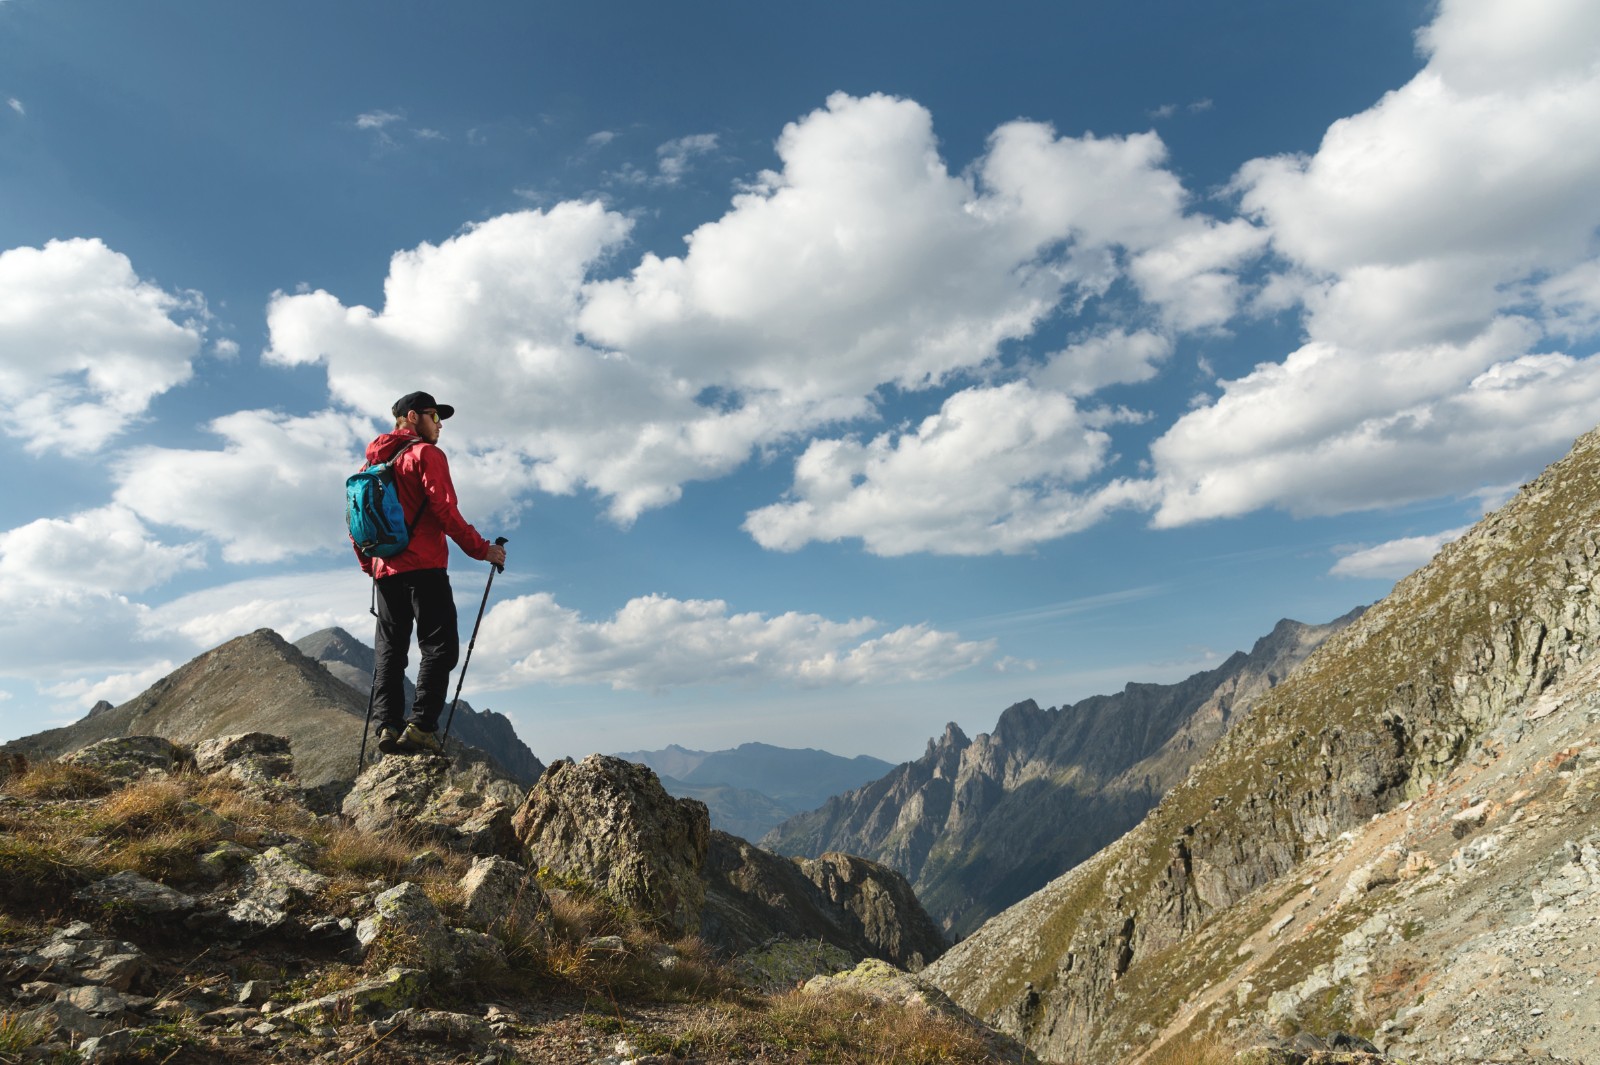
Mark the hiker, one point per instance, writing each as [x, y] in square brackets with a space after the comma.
[413, 586]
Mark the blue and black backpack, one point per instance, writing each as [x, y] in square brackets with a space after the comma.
[372, 509]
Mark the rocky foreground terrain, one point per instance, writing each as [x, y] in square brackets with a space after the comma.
[167, 904]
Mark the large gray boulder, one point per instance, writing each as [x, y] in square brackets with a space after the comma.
[612, 824]
[426, 793]
[128, 758]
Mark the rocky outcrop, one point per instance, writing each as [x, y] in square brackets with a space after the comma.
[467, 811]
[976, 824]
[874, 979]
[860, 908]
[357, 957]
[611, 824]
[883, 910]
[1416, 701]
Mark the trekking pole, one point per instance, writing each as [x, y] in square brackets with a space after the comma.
[500, 541]
[372, 693]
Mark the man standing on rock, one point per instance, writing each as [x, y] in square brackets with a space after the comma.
[413, 587]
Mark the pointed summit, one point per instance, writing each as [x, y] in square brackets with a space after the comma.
[254, 683]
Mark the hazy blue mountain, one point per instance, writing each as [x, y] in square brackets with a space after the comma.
[754, 787]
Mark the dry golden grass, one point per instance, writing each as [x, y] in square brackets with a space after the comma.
[842, 1027]
[1200, 1050]
[58, 780]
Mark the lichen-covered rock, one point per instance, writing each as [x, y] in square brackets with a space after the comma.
[392, 791]
[502, 897]
[132, 896]
[464, 810]
[611, 823]
[397, 989]
[128, 758]
[275, 882]
[405, 922]
[470, 821]
[253, 757]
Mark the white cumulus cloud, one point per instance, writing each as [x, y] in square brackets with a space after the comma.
[271, 492]
[104, 550]
[992, 471]
[656, 643]
[86, 344]
[1439, 243]
[1396, 558]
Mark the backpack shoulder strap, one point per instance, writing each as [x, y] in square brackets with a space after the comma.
[412, 524]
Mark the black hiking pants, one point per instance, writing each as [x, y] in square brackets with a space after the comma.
[421, 598]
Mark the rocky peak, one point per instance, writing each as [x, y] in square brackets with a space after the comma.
[952, 740]
[977, 824]
[611, 823]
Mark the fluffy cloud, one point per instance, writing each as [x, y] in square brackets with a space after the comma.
[1394, 559]
[989, 472]
[1112, 358]
[106, 550]
[655, 643]
[862, 262]
[270, 493]
[85, 344]
[293, 605]
[1248, 450]
[1439, 242]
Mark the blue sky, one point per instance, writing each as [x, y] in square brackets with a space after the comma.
[836, 371]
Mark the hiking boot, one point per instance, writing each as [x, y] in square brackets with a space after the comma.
[388, 739]
[418, 741]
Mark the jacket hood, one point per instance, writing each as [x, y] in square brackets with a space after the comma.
[383, 448]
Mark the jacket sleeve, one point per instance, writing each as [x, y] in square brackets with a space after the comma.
[441, 495]
[366, 563]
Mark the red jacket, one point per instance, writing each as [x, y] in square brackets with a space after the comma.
[422, 471]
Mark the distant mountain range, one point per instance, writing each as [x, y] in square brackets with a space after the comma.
[976, 824]
[752, 788]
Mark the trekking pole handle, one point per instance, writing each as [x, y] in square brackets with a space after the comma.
[500, 541]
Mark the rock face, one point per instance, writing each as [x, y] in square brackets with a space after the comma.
[976, 824]
[612, 824]
[350, 662]
[858, 907]
[1345, 853]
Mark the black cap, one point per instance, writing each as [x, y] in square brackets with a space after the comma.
[421, 401]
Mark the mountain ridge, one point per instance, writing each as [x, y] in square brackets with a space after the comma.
[975, 823]
[1412, 719]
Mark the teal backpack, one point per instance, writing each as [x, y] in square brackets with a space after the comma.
[372, 509]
